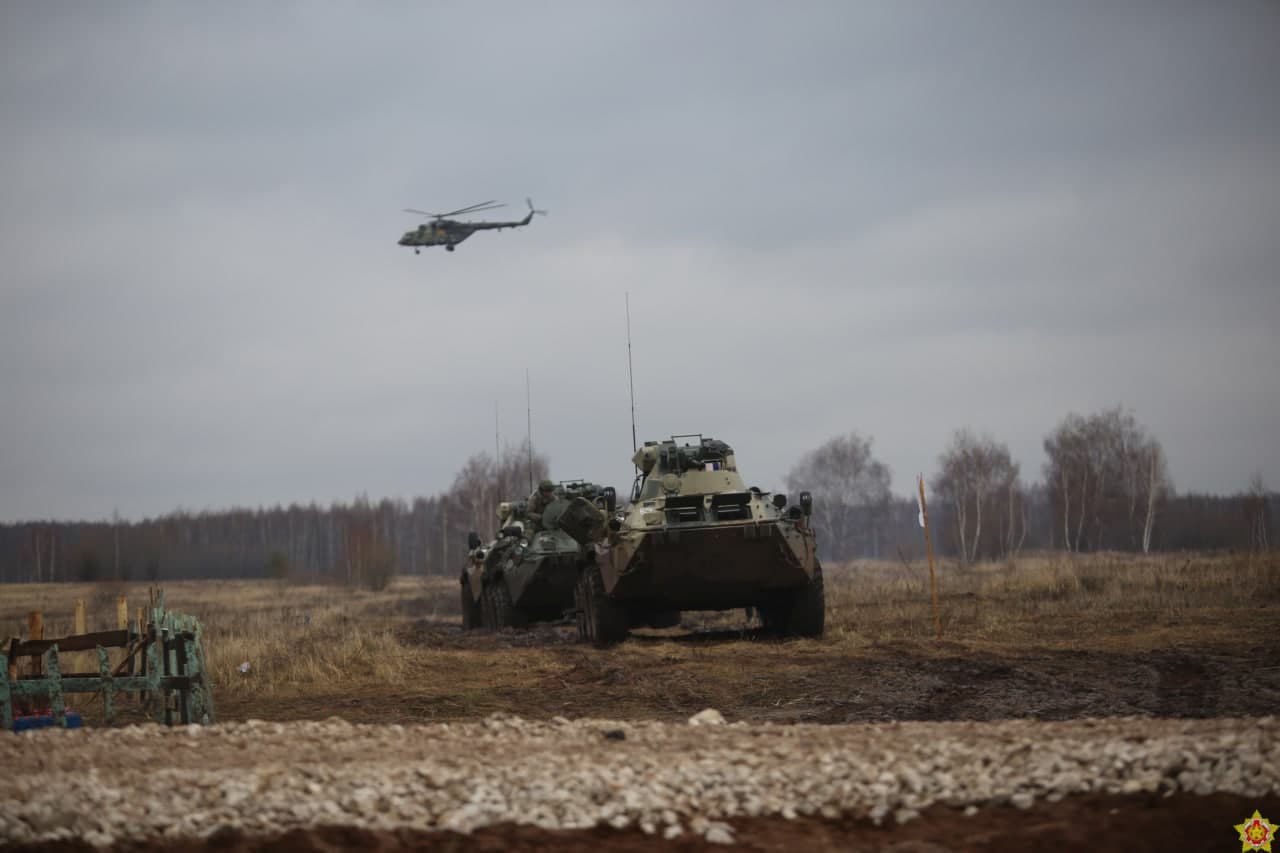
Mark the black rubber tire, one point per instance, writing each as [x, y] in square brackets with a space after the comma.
[601, 620]
[470, 607]
[497, 605]
[801, 613]
[486, 610]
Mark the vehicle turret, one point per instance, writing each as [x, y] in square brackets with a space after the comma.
[695, 537]
[528, 571]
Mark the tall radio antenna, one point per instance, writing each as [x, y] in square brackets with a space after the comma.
[528, 435]
[631, 377]
[497, 445]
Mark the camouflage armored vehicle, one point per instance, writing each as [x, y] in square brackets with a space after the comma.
[694, 537]
[528, 573]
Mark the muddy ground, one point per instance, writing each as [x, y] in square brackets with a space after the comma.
[670, 675]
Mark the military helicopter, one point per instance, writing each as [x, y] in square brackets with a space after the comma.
[442, 231]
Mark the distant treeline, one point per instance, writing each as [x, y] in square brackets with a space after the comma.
[364, 543]
[1105, 487]
[1191, 522]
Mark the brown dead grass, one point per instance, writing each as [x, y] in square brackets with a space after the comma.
[314, 651]
[1114, 602]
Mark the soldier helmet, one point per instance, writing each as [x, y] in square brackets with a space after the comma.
[546, 486]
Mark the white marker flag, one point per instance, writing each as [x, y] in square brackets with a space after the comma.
[920, 506]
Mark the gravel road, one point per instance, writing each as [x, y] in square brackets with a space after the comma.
[671, 780]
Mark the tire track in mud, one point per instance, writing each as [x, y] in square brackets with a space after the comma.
[672, 674]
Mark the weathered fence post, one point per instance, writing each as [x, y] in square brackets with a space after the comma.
[35, 630]
[168, 652]
[6, 695]
[81, 619]
[108, 685]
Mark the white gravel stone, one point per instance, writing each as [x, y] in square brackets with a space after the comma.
[707, 717]
[270, 777]
[719, 834]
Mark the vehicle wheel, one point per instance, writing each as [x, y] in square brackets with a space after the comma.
[801, 613]
[497, 601]
[601, 620]
[486, 610]
[470, 607]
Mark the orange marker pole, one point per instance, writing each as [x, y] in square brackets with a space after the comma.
[928, 544]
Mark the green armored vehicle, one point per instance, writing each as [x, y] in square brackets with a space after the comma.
[694, 537]
[528, 573]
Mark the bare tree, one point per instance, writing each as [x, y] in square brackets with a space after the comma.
[1105, 471]
[1067, 475]
[1157, 487]
[1257, 512]
[1015, 524]
[850, 489]
[483, 482]
[972, 472]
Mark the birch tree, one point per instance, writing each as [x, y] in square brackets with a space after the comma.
[1105, 471]
[1257, 512]
[973, 474]
[483, 482]
[1157, 486]
[850, 489]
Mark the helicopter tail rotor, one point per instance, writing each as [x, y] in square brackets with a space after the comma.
[529, 202]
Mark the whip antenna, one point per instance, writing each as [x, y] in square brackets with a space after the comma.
[631, 377]
[528, 435]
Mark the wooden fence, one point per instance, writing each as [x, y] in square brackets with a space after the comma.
[160, 661]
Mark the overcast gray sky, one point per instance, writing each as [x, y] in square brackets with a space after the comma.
[899, 218]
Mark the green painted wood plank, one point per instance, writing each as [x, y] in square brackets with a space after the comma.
[6, 696]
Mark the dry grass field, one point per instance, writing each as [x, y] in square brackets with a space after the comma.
[1047, 636]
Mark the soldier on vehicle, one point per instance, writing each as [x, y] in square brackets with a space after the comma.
[507, 520]
[539, 501]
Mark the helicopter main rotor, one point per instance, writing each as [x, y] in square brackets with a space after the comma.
[475, 208]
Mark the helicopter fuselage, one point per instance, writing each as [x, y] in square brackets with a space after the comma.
[440, 231]
[436, 234]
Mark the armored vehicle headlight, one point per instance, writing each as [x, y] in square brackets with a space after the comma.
[779, 500]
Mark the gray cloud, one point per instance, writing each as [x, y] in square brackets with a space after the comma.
[899, 219]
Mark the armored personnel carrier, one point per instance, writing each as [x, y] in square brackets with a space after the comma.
[694, 537]
[528, 572]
